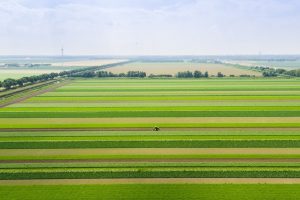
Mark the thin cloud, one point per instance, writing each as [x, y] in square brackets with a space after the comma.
[149, 27]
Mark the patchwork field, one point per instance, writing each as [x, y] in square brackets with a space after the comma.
[93, 136]
[172, 68]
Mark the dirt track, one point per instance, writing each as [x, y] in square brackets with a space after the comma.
[153, 181]
[230, 160]
[150, 129]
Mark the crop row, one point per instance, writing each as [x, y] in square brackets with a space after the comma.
[144, 173]
[147, 89]
[148, 104]
[141, 165]
[159, 98]
[124, 114]
[146, 137]
[150, 191]
[53, 144]
[132, 135]
[145, 157]
[148, 125]
[151, 108]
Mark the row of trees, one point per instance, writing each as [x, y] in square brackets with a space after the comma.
[272, 72]
[13, 83]
[105, 74]
[84, 72]
[189, 74]
[160, 76]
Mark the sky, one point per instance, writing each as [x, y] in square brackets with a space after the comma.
[149, 27]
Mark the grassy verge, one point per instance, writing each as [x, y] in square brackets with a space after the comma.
[189, 143]
[151, 191]
[148, 156]
[108, 173]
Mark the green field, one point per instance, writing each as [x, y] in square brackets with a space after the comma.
[151, 191]
[240, 128]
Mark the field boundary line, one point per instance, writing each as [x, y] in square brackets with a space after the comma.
[147, 129]
[153, 181]
[163, 160]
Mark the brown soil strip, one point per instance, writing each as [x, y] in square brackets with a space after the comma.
[230, 160]
[150, 129]
[153, 181]
[53, 84]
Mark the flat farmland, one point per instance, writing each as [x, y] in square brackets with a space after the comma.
[87, 63]
[98, 132]
[19, 73]
[173, 68]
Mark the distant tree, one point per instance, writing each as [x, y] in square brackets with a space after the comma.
[220, 75]
[136, 74]
[269, 73]
[9, 83]
[197, 74]
[20, 82]
[206, 74]
[186, 74]
[122, 75]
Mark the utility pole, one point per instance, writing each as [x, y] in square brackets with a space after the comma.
[62, 52]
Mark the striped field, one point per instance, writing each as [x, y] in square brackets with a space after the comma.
[242, 129]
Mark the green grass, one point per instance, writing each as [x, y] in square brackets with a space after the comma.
[147, 156]
[149, 108]
[149, 137]
[188, 172]
[158, 98]
[147, 170]
[146, 104]
[151, 191]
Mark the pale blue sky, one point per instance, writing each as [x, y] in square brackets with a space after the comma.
[149, 27]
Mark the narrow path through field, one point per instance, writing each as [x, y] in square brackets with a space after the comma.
[154, 181]
[148, 129]
[163, 160]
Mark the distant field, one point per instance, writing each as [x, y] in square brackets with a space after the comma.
[87, 63]
[19, 73]
[56, 67]
[173, 68]
[276, 64]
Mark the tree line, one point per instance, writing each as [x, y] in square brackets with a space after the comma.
[272, 72]
[14, 83]
[195, 74]
[105, 74]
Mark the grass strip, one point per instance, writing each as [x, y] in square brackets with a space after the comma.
[151, 191]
